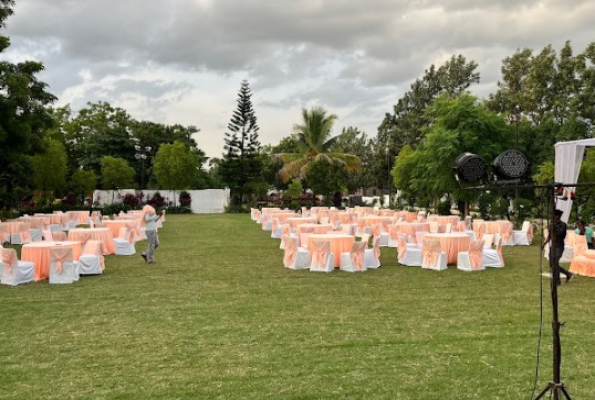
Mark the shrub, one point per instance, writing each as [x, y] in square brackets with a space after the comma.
[131, 201]
[115, 208]
[443, 208]
[179, 210]
[236, 209]
[185, 199]
[156, 201]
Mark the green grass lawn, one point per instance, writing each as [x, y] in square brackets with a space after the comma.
[218, 317]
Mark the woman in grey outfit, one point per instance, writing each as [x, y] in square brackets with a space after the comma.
[149, 219]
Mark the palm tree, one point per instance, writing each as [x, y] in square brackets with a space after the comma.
[315, 146]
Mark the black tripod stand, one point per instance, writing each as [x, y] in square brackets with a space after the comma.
[555, 387]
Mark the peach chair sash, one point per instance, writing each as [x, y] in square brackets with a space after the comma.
[4, 234]
[401, 245]
[476, 254]
[95, 248]
[60, 255]
[25, 233]
[285, 229]
[530, 233]
[357, 254]
[499, 250]
[431, 251]
[480, 230]
[290, 255]
[377, 246]
[507, 233]
[58, 236]
[376, 229]
[320, 252]
[9, 258]
[84, 237]
[365, 238]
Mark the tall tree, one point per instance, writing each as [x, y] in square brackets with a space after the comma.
[241, 165]
[50, 167]
[176, 166]
[23, 115]
[317, 151]
[116, 173]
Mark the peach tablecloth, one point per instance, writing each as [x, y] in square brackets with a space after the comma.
[408, 228]
[54, 218]
[104, 235]
[318, 228]
[81, 216]
[296, 221]
[451, 244]
[340, 243]
[409, 216]
[502, 227]
[115, 226]
[444, 219]
[39, 253]
[13, 227]
[371, 220]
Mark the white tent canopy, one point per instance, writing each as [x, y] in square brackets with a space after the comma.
[569, 157]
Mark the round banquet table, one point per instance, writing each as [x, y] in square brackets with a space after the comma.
[296, 221]
[115, 226]
[444, 219]
[451, 244]
[340, 243]
[104, 235]
[408, 228]
[39, 254]
[318, 228]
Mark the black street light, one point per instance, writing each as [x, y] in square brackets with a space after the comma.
[141, 154]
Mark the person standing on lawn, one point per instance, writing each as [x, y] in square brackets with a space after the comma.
[149, 220]
[558, 229]
[586, 231]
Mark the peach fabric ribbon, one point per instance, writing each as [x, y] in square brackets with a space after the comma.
[431, 251]
[377, 247]
[320, 252]
[58, 236]
[10, 260]
[357, 254]
[60, 256]
[290, 251]
[476, 254]
[402, 245]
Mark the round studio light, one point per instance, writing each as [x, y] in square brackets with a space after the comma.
[469, 167]
[511, 164]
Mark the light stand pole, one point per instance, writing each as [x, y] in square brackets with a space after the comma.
[141, 154]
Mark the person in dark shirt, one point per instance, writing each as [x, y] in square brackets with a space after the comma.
[558, 229]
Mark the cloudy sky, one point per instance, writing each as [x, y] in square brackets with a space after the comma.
[182, 61]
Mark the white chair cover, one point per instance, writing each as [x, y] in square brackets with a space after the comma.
[125, 242]
[372, 256]
[323, 260]
[472, 259]
[408, 254]
[524, 237]
[432, 255]
[295, 257]
[493, 257]
[12, 271]
[63, 269]
[91, 262]
[353, 261]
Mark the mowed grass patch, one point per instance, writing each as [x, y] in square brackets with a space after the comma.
[218, 317]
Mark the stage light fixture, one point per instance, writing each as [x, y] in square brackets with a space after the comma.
[510, 165]
[469, 167]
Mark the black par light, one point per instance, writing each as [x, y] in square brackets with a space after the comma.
[510, 165]
[469, 167]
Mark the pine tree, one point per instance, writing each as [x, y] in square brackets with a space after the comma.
[241, 166]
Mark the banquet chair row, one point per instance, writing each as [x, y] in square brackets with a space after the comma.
[321, 259]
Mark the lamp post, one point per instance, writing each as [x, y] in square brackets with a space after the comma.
[514, 117]
[141, 154]
[388, 173]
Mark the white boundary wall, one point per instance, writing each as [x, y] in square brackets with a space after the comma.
[203, 201]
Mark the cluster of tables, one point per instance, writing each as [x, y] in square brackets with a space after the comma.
[323, 220]
[38, 252]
